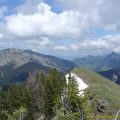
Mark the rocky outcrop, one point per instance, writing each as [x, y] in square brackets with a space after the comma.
[102, 106]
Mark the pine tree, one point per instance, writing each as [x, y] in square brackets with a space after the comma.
[3, 104]
[57, 80]
[17, 114]
[18, 96]
[73, 98]
[27, 103]
[14, 98]
[76, 105]
[49, 100]
[53, 91]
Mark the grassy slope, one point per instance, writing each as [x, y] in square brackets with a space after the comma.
[101, 88]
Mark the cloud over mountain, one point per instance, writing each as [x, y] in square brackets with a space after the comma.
[62, 25]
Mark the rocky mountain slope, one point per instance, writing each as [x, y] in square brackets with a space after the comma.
[99, 63]
[15, 64]
[20, 57]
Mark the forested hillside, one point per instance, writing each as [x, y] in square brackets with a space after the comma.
[46, 97]
[53, 97]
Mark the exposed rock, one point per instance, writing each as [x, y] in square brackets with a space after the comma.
[102, 106]
[19, 57]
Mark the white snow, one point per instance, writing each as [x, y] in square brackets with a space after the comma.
[81, 84]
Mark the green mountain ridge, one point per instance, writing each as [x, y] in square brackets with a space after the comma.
[102, 94]
[100, 88]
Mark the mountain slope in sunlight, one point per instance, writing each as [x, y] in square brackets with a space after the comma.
[100, 88]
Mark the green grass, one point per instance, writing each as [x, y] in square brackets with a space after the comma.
[100, 88]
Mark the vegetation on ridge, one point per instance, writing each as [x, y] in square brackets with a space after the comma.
[46, 96]
[49, 97]
[100, 88]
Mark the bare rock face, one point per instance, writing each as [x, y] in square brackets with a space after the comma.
[102, 106]
[13, 56]
[19, 57]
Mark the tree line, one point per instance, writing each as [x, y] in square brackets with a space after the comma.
[59, 100]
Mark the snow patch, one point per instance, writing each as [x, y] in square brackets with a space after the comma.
[81, 84]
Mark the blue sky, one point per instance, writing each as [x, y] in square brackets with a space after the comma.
[63, 28]
[11, 5]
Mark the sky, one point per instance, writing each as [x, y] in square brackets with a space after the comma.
[64, 28]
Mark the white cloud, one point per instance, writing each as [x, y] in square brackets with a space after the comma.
[107, 11]
[90, 44]
[60, 47]
[98, 44]
[42, 29]
[107, 43]
[29, 6]
[45, 22]
[1, 36]
[117, 49]
[41, 42]
[78, 18]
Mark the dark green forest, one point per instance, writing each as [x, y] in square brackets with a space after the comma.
[57, 100]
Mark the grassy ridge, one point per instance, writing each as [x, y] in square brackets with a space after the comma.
[100, 88]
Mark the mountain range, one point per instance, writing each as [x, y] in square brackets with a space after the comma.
[105, 65]
[16, 64]
[99, 63]
[19, 57]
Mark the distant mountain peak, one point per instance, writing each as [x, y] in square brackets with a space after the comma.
[113, 53]
[12, 50]
[100, 63]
